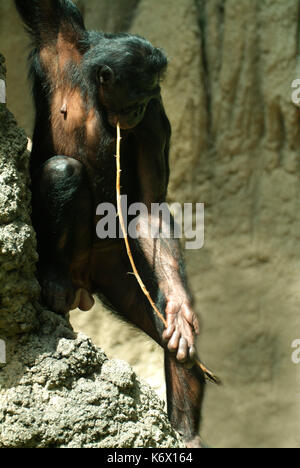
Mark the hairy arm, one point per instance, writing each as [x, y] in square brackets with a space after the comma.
[58, 34]
[46, 19]
[157, 240]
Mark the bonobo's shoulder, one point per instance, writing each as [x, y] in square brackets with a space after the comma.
[156, 108]
[156, 105]
[154, 111]
[96, 38]
[155, 126]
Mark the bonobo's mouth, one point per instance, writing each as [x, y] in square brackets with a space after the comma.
[124, 123]
[127, 118]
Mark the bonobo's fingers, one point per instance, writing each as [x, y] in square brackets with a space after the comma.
[191, 318]
[76, 300]
[174, 341]
[179, 335]
[192, 353]
[192, 357]
[168, 332]
[183, 351]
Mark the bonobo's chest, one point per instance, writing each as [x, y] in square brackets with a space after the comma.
[103, 171]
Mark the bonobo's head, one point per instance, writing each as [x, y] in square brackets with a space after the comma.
[125, 71]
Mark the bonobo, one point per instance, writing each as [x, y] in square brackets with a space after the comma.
[84, 83]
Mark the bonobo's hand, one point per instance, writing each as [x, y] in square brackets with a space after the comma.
[182, 326]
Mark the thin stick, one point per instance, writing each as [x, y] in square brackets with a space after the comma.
[208, 374]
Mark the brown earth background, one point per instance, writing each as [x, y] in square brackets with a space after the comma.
[235, 148]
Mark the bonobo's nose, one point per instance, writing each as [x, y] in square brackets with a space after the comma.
[115, 120]
[125, 123]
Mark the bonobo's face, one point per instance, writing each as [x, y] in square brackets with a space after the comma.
[127, 103]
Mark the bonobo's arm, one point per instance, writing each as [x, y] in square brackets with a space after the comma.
[163, 253]
[59, 36]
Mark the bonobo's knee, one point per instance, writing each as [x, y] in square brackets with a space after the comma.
[60, 173]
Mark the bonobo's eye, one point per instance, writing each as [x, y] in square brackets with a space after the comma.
[140, 108]
[106, 75]
[137, 109]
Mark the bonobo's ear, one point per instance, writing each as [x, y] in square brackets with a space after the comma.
[106, 75]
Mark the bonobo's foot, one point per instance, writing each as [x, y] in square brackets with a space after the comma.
[58, 291]
[182, 326]
[83, 300]
[196, 443]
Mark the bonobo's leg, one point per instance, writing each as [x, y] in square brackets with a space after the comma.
[185, 392]
[185, 387]
[62, 216]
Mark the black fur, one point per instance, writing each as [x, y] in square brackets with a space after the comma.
[83, 84]
[43, 18]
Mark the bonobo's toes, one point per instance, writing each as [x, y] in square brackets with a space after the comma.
[58, 293]
[57, 297]
[86, 301]
[83, 300]
[196, 442]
